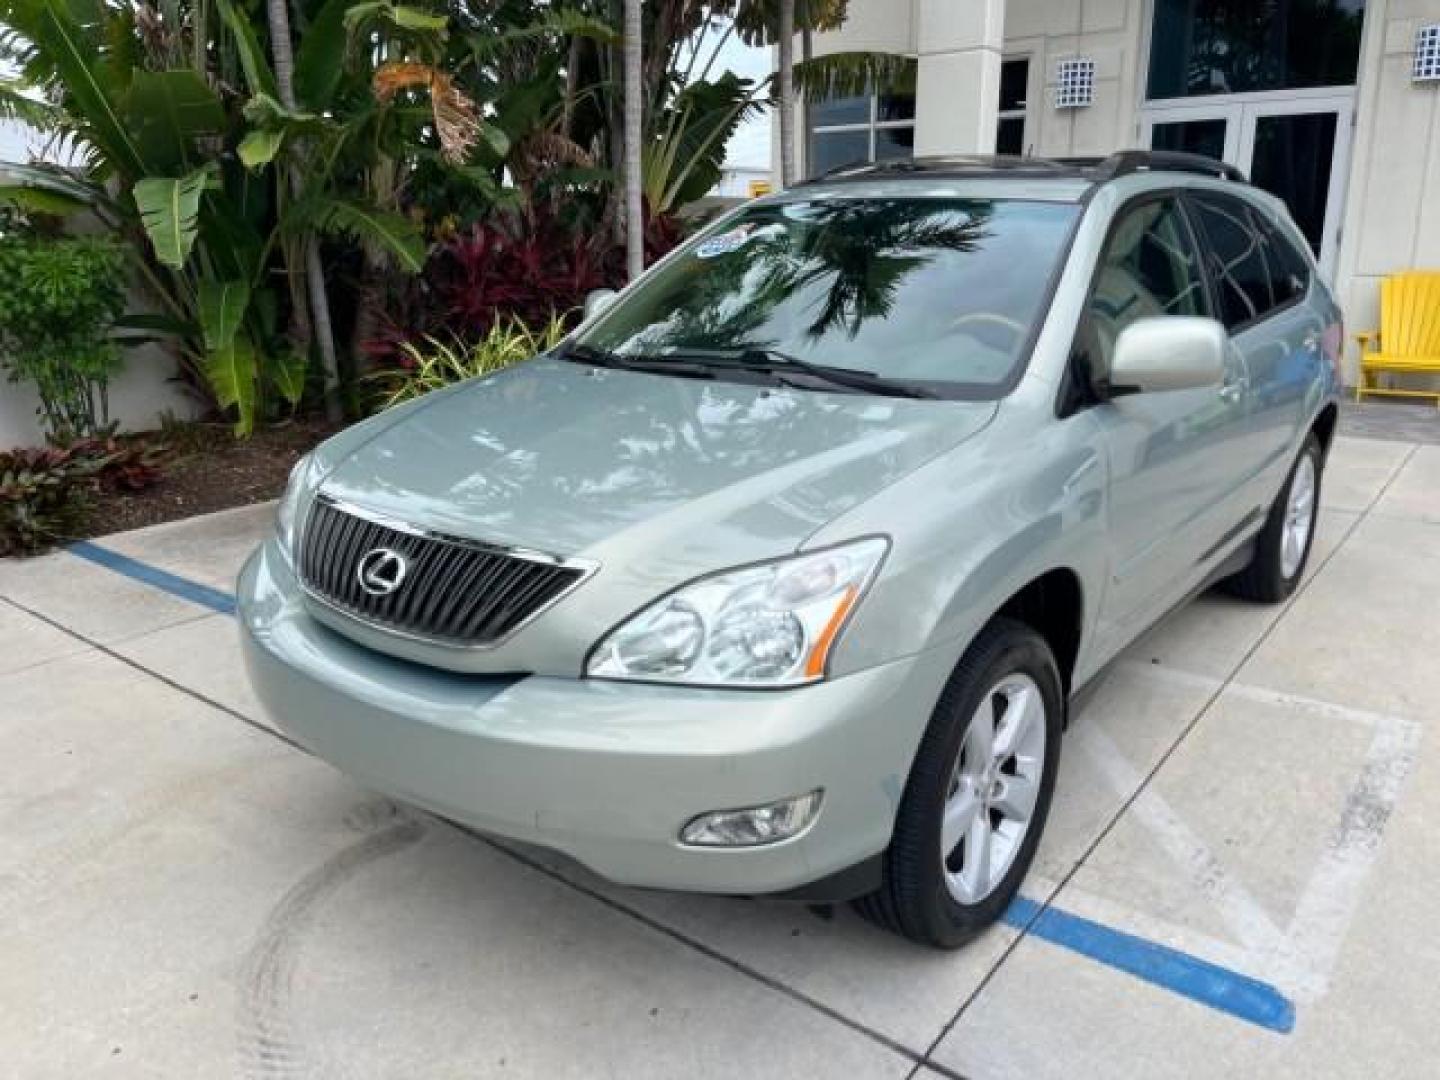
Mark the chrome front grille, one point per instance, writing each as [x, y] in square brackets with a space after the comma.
[442, 588]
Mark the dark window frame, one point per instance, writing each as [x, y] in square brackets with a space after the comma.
[1019, 112]
[1079, 389]
[1261, 225]
[1293, 78]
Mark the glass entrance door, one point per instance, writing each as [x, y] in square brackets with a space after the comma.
[1294, 145]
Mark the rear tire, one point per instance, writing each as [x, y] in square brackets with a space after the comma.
[982, 782]
[1283, 547]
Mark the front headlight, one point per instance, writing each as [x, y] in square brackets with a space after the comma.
[287, 515]
[767, 625]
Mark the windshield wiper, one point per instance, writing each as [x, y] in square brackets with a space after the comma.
[589, 354]
[662, 365]
[704, 363]
[776, 362]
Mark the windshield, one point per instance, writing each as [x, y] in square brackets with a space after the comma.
[938, 292]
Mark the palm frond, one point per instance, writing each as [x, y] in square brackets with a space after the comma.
[846, 74]
[17, 102]
[456, 116]
[380, 229]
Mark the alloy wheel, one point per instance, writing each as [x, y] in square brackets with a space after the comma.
[1299, 516]
[992, 794]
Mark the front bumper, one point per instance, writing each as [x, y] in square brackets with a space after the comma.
[605, 772]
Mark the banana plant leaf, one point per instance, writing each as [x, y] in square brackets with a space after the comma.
[231, 374]
[79, 62]
[320, 59]
[166, 111]
[38, 200]
[258, 74]
[222, 310]
[170, 212]
[285, 371]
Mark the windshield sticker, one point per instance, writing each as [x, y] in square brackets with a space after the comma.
[726, 242]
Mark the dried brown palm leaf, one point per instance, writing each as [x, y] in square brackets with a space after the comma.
[544, 151]
[457, 118]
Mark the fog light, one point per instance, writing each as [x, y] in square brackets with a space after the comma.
[754, 825]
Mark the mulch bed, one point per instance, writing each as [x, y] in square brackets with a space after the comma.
[205, 468]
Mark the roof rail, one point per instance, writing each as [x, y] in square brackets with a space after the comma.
[947, 166]
[1126, 162]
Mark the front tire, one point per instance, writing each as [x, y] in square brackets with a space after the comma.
[978, 793]
[1283, 547]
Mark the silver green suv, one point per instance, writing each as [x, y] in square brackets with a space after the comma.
[777, 575]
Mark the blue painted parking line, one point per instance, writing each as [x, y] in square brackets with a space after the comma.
[1208, 984]
[175, 585]
[1199, 980]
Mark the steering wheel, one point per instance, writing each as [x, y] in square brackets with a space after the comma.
[991, 318]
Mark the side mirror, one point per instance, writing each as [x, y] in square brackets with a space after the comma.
[597, 300]
[1171, 352]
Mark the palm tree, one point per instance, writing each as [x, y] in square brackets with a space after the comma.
[786, 105]
[278, 14]
[634, 119]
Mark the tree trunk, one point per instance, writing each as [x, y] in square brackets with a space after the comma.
[572, 84]
[807, 53]
[787, 92]
[278, 13]
[634, 211]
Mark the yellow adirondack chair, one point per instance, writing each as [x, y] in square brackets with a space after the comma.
[1408, 341]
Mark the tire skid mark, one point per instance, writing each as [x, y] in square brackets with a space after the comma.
[268, 1045]
[50, 869]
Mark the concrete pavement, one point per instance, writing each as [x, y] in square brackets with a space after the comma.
[1237, 877]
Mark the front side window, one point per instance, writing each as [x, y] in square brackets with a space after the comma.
[1239, 46]
[1150, 268]
[942, 293]
[1237, 259]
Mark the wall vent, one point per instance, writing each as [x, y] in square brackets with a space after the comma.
[1427, 54]
[1074, 83]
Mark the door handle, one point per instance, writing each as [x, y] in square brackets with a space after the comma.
[1233, 391]
[1311, 342]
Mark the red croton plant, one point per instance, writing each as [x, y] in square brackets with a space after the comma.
[528, 266]
[44, 491]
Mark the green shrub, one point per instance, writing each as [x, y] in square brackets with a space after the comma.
[433, 364]
[46, 492]
[58, 302]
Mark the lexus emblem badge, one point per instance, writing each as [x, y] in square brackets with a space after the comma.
[381, 571]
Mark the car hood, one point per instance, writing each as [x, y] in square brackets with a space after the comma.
[574, 460]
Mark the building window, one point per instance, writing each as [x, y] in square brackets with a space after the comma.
[1239, 46]
[866, 127]
[1014, 87]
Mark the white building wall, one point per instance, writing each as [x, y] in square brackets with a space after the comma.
[1392, 215]
[142, 393]
[1110, 32]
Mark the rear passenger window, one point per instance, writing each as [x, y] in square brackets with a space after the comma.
[1289, 270]
[1237, 260]
[1150, 267]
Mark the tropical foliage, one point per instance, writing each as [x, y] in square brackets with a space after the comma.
[431, 363]
[45, 492]
[60, 300]
[280, 173]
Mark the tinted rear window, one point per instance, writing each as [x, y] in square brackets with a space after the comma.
[1237, 259]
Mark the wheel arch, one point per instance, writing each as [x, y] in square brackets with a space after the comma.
[1323, 427]
[1053, 605]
